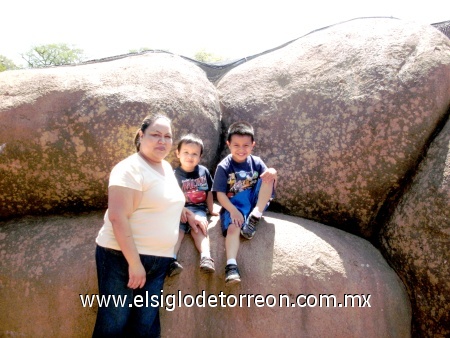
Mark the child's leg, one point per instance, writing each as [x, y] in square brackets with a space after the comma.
[201, 242]
[261, 195]
[232, 242]
[232, 237]
[264, 196]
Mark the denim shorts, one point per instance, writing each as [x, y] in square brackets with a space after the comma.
[196, 209]
[244, 201]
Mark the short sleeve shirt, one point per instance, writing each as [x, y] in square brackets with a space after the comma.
[155, 222]
[232, 177]
[195, 185]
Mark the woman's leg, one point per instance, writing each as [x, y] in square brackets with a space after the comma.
[114, 311]
[145, 319]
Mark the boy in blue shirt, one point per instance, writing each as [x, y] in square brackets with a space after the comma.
[244, 187]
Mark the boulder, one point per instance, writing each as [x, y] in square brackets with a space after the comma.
[416, 240]
[62, 129]
[343, 114]
[47, 262]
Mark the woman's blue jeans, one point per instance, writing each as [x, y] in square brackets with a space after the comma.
[127, 319]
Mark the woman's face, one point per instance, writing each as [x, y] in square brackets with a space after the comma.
[156, 141]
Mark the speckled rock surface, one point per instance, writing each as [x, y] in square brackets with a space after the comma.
[63, 129]
[46, 262]
[417, 240]
[343, 114]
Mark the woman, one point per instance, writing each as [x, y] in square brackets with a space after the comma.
[136, 243]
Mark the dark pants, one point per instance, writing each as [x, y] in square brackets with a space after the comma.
[125, 319]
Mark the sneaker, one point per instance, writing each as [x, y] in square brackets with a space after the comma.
[174, 268]
[232, 274]
[207, 265]
[249, 228]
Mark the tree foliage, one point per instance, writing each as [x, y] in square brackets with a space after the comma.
[6, 64]
[55, 54]
[204, 56]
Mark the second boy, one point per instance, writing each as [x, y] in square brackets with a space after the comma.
[244, 187]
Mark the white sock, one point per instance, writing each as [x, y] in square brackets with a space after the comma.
[256, 212]
[205, 254]
[231, 261]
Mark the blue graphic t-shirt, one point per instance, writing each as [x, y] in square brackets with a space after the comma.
[195, 185]
[232, 177]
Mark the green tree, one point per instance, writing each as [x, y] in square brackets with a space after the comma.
[6, 64]
[204, 56]
[55, 54]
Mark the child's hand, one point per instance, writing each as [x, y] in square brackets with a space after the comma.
[270, 175]
[213, 213]
[236, 218]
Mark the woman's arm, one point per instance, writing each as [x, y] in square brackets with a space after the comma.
[122, 202]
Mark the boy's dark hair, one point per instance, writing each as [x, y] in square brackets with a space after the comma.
[191, 138]
[240, 128]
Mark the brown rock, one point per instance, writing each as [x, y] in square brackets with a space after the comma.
[63, 129]
[343, 114]
[417, 240]
[48, 262]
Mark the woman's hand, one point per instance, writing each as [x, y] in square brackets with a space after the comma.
[202, 224]
[184, 215]
[197, 223]
[137, 275]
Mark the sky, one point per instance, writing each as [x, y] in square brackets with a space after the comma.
[230, 29]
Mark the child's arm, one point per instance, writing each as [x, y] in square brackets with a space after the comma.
[236, 217]
[210, 204]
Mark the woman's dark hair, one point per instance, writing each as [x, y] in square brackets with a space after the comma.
[191, 138]
[240, 128]
[148, 121]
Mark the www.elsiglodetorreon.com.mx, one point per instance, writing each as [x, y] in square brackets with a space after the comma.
[171, 301]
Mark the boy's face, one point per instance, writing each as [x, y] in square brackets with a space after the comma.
[241, 147]
[189, 156]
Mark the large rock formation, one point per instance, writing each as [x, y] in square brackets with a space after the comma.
[417, 240]
[48, 262]
[343, 114]
[45, 264]
[63, 129]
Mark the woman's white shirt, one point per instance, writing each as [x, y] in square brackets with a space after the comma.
[155, 222]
